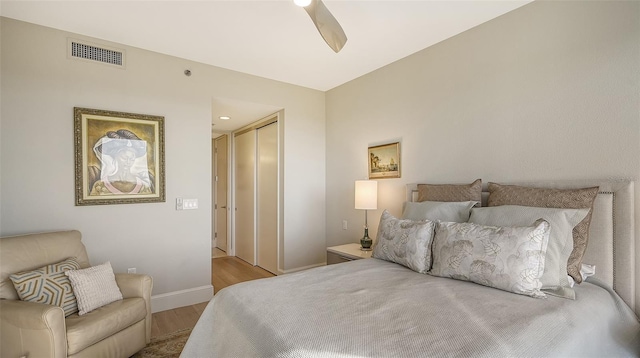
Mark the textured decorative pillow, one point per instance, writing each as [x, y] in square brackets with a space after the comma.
[562, 222]
[48, 285]
[552, 198]
[94, 287]
[508, 258]
[405, 242]
[457, 212]
[451, 192]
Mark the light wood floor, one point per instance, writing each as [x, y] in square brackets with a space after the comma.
[225, 271]
[229, 270]
[216, 252]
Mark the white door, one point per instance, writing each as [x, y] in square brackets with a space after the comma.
[267, 197]
[245, 188]
[221, 169]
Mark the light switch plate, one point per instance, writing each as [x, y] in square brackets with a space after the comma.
[186, 204]
[190, 204]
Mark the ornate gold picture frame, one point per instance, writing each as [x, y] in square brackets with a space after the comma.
[384, 161]
[119, 157]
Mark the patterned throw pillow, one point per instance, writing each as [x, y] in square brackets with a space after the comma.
[405, 242]
[94, 287]
[451, 192]
[508, 258]
[48, 285]
[552, 198]
[562, 221]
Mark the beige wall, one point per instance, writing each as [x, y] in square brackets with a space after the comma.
[549, 91]
[40, 87]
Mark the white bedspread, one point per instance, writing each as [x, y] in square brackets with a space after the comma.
[373, 308]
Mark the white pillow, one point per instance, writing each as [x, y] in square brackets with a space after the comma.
[562, 221]
[94, 287]
[508, 258]
[455, 211]
[405, 242]
[586, 271]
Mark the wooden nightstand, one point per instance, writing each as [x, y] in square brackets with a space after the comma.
[344, 253]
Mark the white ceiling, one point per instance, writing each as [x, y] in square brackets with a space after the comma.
[241, 113]
[269, 38]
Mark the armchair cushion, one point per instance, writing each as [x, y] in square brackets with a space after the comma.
[48, 285]
[94, 287]
[86, 330]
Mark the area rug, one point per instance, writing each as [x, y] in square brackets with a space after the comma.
[167, 346]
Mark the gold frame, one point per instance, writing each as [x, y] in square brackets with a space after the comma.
[386, 164]
[95, 132]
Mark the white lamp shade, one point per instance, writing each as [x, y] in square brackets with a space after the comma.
[302, 3]
[366, 194]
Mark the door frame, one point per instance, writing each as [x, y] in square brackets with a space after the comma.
[229, 251]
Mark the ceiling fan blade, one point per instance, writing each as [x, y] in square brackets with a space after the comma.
[327, 25]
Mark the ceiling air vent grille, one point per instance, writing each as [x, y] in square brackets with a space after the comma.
[94, 53]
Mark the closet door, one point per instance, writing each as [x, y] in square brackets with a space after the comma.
[267, 197]
[245, 173]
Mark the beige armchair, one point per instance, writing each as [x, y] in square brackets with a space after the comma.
[32, 330]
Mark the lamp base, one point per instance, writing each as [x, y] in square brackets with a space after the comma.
[366, 242]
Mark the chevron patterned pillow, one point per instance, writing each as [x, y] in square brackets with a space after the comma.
[48, 285]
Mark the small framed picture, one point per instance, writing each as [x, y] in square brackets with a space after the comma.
[384, 161]
[119, 157]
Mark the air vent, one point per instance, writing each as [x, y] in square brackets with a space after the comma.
[91, 52]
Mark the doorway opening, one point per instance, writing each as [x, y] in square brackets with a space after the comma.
[246, 210]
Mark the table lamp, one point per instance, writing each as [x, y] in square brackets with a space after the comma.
[366, 199]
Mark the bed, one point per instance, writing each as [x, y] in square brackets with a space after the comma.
[377, 308]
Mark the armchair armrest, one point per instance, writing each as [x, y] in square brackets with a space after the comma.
[134, 285]
[137, 285]
[32, 329]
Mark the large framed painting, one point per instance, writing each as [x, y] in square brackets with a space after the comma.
[384, 161]
[119, 157]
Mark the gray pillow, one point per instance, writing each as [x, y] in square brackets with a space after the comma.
[508, 258]
[457, 212]
[405, 242]
[562, 221]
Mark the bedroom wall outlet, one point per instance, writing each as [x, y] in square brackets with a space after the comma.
[344, 224]
[131, 270]
[179, 204]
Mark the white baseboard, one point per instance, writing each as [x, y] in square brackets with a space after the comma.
[303, 268]
[171, 300]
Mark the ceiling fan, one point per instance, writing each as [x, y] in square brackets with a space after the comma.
[327, 25]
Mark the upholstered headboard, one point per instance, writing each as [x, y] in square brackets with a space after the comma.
[612, 242]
